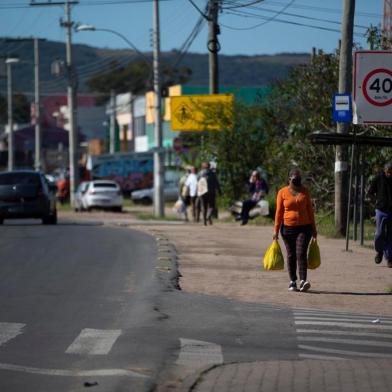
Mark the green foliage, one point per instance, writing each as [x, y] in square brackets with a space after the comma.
[136, 77]
[132, 78]
[239, 147]
[21, 109]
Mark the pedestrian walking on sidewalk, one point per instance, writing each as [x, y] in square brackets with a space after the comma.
[207, 189]
[191, 183]
[183, 193]
[381, 190]
[294, 218]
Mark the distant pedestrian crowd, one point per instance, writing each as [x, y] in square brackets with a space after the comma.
[198, 191]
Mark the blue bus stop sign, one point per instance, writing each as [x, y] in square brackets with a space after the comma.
[342, 108]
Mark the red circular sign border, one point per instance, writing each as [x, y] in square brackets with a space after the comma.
[365, 81]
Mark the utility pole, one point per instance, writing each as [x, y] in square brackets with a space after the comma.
[112, 131]
[159, 169]
[345, 87]
[213, 45]
[37, 109]
[71, 92]
[11, 159]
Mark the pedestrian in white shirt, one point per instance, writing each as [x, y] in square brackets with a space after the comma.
[191, 183]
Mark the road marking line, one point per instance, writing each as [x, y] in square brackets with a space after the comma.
[337, 314]
[350, 316]
[345, 341]
[344, 325]
[94, 341]
[198, 353]
[343, 352]
[338, 332]
[9, 331]
[313, 356]
[72, 373]
[339, 319]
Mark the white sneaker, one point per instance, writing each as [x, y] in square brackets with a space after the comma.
[304, 286]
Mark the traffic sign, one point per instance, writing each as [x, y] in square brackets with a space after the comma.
[342, 108]
[372, 88]
[191, 112]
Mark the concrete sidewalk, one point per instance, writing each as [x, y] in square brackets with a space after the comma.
[225, 260]
[294, 376]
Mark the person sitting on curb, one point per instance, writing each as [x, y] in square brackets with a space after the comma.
[381, 190]
[257, 188]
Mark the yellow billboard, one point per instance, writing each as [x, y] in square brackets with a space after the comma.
[199, 112]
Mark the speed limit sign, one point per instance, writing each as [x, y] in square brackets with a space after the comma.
[372, 90]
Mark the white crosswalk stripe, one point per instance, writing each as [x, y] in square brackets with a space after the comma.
[330, 335]
[9, 331]
[94, 342]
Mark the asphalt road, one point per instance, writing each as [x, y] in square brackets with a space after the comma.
[82, 305]
[77, 304]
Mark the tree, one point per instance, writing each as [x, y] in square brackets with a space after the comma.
[21, 109]
[136, 77]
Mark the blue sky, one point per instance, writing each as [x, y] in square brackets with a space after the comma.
[268, 27]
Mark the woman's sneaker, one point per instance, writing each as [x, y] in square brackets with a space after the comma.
[378, 258]
[293, 286]
[304, 286]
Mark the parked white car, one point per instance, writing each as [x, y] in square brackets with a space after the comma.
[102, 194]
[146, 196]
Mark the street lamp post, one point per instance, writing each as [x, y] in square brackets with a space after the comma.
[9, 61]
[158, 159]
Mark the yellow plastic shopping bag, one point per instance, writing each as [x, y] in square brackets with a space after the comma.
[273, 258]
[314, 259]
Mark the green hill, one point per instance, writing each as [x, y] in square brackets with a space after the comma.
[237, 71]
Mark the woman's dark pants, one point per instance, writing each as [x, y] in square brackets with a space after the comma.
[296, 240]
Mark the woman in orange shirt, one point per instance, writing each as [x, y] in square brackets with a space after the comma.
[295, 219]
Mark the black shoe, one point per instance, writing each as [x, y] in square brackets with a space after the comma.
[244, 222]
[378, 258]
[389, 263]
[293, 286]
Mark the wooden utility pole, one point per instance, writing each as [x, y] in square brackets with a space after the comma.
[37, 108]
[213, 45]
[345, 87]
[159, 169]
[71, 92]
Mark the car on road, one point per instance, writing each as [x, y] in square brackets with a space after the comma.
[102, 194]
[146, 196]
[27, 194]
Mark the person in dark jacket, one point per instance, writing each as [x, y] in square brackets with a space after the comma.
[208, 198]
[381, 190]
[258, 188]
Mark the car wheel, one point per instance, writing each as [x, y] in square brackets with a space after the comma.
[50, 219]
[1, 221]
[117, 209]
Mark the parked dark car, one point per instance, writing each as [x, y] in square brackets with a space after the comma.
[27, 194]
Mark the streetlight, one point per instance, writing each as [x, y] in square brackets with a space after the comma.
[9, 61]
[158, 160]
[88, 27]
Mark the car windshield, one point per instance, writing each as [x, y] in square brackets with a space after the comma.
[19, 179]
[105, 185]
